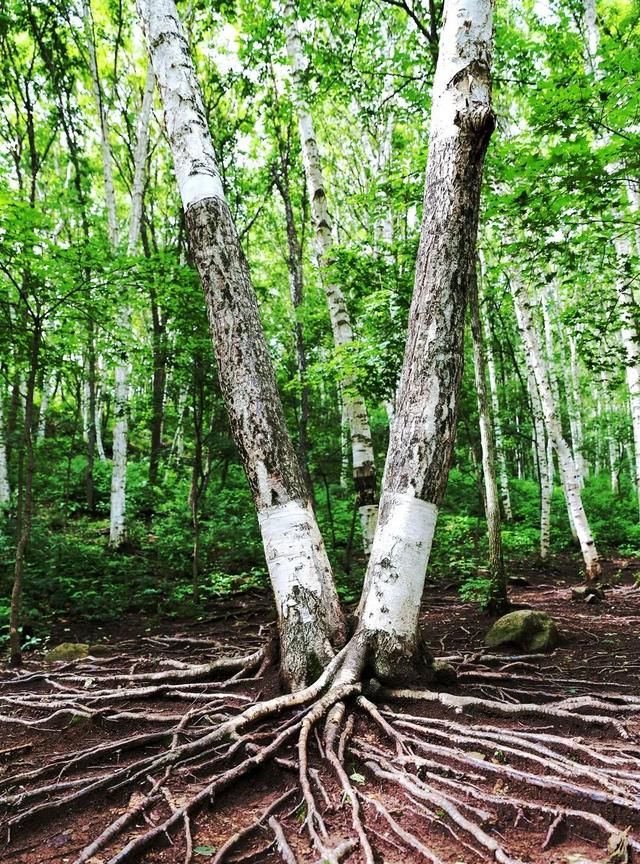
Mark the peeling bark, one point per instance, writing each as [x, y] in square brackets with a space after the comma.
[309, 617]
[423, 431]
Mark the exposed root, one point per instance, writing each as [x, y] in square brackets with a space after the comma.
[458, 778]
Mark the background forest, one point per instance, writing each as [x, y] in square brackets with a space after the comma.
[120, 486]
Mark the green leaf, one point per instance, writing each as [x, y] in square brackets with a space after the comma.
[357, 778]
[205, 850]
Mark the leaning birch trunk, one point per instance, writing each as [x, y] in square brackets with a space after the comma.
[5, 489]
[498, 601]
[568, 472]
[309, 617]
[555, 396]
[544, 457]
[629, 336]
[118, 522]
[364, 472]
[423, 431]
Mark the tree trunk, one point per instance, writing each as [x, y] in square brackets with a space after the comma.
[364, 471]
[296, 290]
[498, 601]
[310, 621]
[5, 489]
[629, 336]
[118, 520]
[422, 436]
[25, 497]
[568, 472]
[544, 460]
[158, 385]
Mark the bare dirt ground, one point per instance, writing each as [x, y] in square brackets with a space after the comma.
[541, 763]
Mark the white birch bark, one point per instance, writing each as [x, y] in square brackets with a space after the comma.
[354, 405]
[629, 337]
[47, 391]
[550, 366]
[498, 601]
[309, 617]
[503, 475]
[543, 456]
[423, 430]
[568, 471]
[5, 490]
[118, 520]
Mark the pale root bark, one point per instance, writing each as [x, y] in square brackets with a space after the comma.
[364, 474]
[544, 460]
[423, 431]
[568, 472]
[5, 489]
[309, 618]
[498, 600]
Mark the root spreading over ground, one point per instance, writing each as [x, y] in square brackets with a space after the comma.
[145, 754]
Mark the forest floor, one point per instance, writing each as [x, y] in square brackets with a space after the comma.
[538, 787]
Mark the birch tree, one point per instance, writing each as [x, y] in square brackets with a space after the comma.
[498, 601]
[5, 489]
[309, 616]
[568, 471]
[423, 430]
[364, 472]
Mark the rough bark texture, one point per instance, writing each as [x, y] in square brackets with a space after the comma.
[364, 472]
[423, 430]
[310, 621]
[498, 601]
[569, 474]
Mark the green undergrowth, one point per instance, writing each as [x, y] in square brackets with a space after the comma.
[71, 572]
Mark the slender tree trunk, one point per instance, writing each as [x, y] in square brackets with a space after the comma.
[118, 520]
[310, 621]
[423, 430]
[296, 290]
[91, 419]
[364, 472]
[498, 601]
[25, 498]
[158, 386]
[5, 489]
[568, 472]
[544, 460]
[629, 336]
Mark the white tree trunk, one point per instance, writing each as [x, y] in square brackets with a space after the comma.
[364, 474]
[423, 431]
[309, 617]
[550, 366]
[5, 490]
[48, 387]
[543, 456]
[118, 520]
[503, 475]
[498, 601]
[568, 471]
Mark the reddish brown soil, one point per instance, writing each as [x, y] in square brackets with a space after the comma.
[600, 656]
